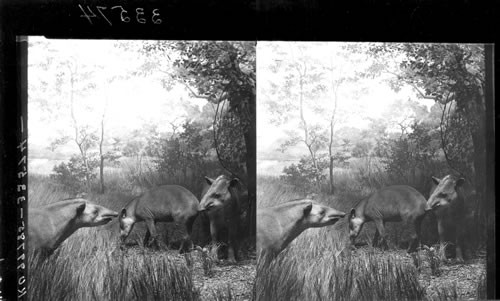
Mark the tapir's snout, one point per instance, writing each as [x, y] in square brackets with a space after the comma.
[336, 216]
[203, 207]
[108, 215]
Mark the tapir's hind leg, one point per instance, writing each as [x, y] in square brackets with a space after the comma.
[416, 235]
[153, 234]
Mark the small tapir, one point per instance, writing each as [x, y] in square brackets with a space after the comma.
[167, 203]
[279, 225]
[390, 204]
[50, 225]
[222, 202]
[447, 203]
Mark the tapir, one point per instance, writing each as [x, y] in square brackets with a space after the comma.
[50, 225]
[222, 203]
[166, 203]
[447, 203]
[390, 204]
[279, 225]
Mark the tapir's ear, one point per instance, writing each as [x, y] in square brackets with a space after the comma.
[353, 213]
[460, 182]
[209, 181]
[123, 213]
[308, 208]
[234, 182]
[80, 208]
[436, 180]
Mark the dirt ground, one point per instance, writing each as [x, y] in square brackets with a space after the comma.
[238, 278]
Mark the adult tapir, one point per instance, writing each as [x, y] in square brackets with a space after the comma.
[222, 203]
[50, 225]
[446, 201]
[279, 225]
[166, 203]
[390, 204]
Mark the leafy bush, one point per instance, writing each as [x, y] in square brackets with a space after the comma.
[305, 175]
[74, 174]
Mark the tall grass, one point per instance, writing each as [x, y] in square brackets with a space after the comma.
[110, 275]
[319, 264]
[90, 265]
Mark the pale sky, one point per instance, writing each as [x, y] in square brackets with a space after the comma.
[355, 110]
[130, 102]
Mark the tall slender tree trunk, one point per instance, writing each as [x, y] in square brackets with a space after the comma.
[101, 155]
[83, 151]
[307, 141]
[330, 155]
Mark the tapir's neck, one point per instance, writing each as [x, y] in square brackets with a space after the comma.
[360, 208]
[63, 223]
[291, 225]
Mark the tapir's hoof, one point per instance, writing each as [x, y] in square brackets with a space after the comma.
[460, 260]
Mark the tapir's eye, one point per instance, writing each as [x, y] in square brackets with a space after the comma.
[442, 195]
[216, 195]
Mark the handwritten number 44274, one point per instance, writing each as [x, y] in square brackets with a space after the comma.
[125, 16]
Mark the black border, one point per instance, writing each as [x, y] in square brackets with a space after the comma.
[462, 21]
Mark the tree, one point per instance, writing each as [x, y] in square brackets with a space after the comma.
[223, 73]
[298, 81]
[450, 74]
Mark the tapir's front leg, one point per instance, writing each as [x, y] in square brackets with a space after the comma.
[415, 236]
[150, 223]
[213, 230]
[459, 244]
[442, 238]
[233, 233]
[383, 236]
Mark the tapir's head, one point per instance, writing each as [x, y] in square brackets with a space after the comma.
[317, 215]
[356, 222]
[444, 192]
[219, 193]
[126, 224]
[89, 214]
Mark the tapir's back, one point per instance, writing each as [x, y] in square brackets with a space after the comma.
[394, 202]
[166, 202]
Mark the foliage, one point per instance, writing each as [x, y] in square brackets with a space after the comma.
[304, 174]
[74, 173]
[457, 144]
[452, 75]
[411, 153]
[188, 154]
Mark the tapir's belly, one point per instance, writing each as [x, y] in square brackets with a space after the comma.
[165, 214]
